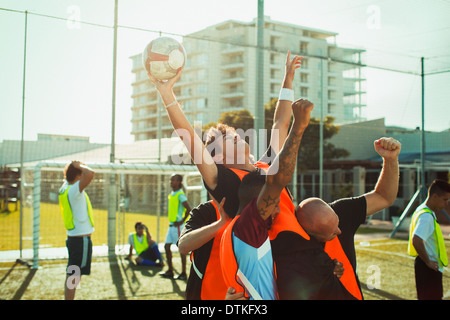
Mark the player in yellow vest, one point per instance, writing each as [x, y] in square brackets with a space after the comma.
[427, 243]
[76, 210]
[179, 210]
[145, 247]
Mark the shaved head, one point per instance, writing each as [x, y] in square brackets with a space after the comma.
[318, 219]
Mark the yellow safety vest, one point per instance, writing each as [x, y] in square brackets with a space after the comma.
[438, 233]
[66, 210]
[140, 247]
[174, 202]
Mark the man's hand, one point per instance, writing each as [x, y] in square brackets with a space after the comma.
[291, 66]
[165, 86]
[338, 269]
[302, 113]
[433, 265]
[232, 295]
[388, 148]
[224, 217]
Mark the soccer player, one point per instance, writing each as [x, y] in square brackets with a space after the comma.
[335, 225]
[179, 210]
[246, 253]
[426, 242]
[146, 248]
[76, 209]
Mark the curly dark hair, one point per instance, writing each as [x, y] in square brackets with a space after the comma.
[70, 172]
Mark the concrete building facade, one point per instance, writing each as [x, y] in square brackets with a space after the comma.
[220, 75]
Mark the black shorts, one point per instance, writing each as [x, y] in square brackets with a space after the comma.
[80, 255]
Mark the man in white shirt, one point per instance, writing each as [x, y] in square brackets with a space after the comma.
[76, 209]
[427, 243]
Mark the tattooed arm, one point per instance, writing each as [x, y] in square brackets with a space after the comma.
[281, 170]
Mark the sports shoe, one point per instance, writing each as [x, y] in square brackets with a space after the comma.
[181, 276]
[167, 274]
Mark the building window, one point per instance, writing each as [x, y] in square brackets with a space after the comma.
[305, 63]
[202, 59]
[201, 103]
[303, 47]
[304, 91]
[303, 77]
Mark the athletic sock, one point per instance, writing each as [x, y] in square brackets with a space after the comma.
[146, 262]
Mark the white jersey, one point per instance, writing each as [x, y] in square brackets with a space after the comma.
[78, 204]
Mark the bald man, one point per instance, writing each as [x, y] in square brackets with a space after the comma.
[342, 218]
[318, 219]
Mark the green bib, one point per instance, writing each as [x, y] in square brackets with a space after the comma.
[66, 210]
[438, 233]
[174, 204]
[140, 247]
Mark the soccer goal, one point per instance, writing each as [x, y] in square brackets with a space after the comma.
[121, 195]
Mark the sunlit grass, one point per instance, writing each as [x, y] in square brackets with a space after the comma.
[53, 234]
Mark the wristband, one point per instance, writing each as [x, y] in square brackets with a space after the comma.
[286, 94]
[172, 104]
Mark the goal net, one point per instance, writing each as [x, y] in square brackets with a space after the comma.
[121, 195]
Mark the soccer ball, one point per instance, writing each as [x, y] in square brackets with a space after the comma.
[163, 57]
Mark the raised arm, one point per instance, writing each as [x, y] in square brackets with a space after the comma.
[87, 174]
[197, 238]
[283, 108]
[281, 170]
[150, 241]
[386, 188]
[194, 144]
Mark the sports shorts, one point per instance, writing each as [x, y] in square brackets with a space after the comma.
[173, 233]
[80, 255]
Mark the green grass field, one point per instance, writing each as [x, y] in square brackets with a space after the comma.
[385, 270]
[52, 231]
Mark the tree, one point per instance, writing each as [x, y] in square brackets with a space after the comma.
[308, 155]
[240, 119]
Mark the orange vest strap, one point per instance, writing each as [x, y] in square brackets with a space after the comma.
[334, 250]
[228, 259]
[213, 284]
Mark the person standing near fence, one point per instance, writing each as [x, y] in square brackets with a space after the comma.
[426, 242]
[76, 210]
[179, 210]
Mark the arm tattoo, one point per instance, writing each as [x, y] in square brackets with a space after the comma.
[268, 202]
[288, 155]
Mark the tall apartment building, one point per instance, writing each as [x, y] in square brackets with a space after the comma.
[220, 75]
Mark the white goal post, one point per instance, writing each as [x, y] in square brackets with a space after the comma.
[191, 181]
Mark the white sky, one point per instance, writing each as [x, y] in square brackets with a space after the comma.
[69, 66]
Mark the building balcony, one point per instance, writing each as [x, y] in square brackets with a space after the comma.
[232, 66]
[230, 49]
[232, 95]
[147, 116]
[152, 129]
[232, 80]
